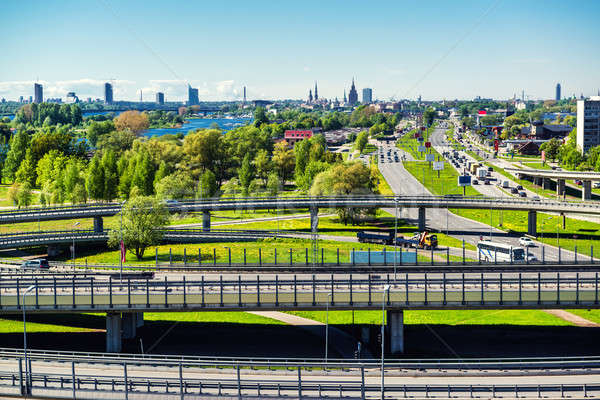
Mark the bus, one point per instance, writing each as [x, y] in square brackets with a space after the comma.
[494, 251]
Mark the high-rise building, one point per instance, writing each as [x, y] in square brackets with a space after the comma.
[160, 98]
[108, 93]
[244, 94]
[192, 96]
[367, 95]
[316, 92]
[558, 92]
[588, 123]
[353, 95]
[38, 92]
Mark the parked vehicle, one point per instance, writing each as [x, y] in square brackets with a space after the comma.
[375, 237]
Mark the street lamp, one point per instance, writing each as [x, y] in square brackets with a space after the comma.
[395, 235]
[29, 289]
[386, 289]
[327, 326]
[121, 245]
[542, 230]
[74, 225]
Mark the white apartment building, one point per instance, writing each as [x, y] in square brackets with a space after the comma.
[588, 123]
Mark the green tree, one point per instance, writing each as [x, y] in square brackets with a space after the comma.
[273, 184]
[16, 154]
[25, 195]
[143, 177]
[551, 148]
[26, 171]
[207, 185]
[361, 141]
[260, 117]
[161, 172]
[13, 194]
[79, 194]
[177, 186]
[283, 159]
[302, 153]
[95, 179]
[143, 220]
[245, 175]
[111, 175]
[263, 165]
[205, 149]
[428, 116]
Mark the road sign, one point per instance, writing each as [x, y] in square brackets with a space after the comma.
[430, 157]
[496, 144]
[543, 155]
[464, 180]
[421, 149]
[428, 144]
[438, 165]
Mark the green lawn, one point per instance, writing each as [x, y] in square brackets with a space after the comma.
[591, 315]
[442, 317]
[537, 165]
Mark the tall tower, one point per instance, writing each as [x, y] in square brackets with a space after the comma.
[316, 92]
[108, 93]
[244, 94]
[310, 96]
[557, 92]
[353, 95]
[345, 98]
[38, 92]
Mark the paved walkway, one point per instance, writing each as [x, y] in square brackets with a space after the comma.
[339, 340]
[572, 318]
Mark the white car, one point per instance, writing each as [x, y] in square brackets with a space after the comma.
[526, 242]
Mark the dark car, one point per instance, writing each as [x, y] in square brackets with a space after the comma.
[519, 187]
[522, 194]
[486, 182]
[514, 190]
[490, 169]
[475, 182]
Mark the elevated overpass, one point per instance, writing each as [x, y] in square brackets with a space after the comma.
[97, 211]
[560, 176]
[125, 301]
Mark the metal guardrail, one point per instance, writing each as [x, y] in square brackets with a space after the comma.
[424, 292]
[478, 202]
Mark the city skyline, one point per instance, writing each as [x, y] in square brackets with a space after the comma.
[430, 61]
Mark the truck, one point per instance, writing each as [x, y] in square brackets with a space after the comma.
[505, 184]
[375, 237]
[474, 167]
[420, 240]
[482, 172]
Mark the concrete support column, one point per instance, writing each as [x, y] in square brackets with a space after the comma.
[139, 319]
[532, 223]
[129, 325]
[365, 334]
[314, 219]
[586, 190]
[53, 250]
[395, 331]
[206, 221]
[98, 224]
[113, 333]
[560, 187]
[545, 183]
[422, 219]
[537, 181]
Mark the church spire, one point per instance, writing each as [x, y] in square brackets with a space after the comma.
[316, 92]
[310, 96]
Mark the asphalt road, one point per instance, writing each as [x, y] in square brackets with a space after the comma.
[403, 183]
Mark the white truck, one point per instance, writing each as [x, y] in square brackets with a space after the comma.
[482, 172]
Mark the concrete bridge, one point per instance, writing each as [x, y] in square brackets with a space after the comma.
[543, 176]
[422, 203]
[125, 301]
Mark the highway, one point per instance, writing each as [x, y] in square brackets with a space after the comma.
[404, 184]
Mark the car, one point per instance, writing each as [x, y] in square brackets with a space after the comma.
[490, 169]
[475, 182]
[486, 182]
[522, 194]
[526, 242]
[578, 182]
[514, 190]
[40, 263]
[531, 258]
[535, 197]
[596, 185]
[519, 187]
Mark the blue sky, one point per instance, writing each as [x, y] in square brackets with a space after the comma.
[439, 49]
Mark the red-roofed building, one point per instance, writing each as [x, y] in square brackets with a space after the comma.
[293, 136]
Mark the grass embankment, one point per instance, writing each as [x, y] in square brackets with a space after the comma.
[410, 144]
[537, 165]
[442, 317]
[582, 234]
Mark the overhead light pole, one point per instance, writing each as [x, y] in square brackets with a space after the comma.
[386, 289]
[327, 327]
[27, 372]
[395, 235]
[73, 249]
[121, 244]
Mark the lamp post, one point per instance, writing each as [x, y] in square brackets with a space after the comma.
[121, 245]
[327, 326]
[395, 235]
[542, 229]
[386, 289]
[74, 225]
[29, 289]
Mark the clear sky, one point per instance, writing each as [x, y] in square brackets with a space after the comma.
[439, 49]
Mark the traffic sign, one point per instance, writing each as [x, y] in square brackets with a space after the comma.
[428, 144]
[430, 157]
[438, 165]
[421, 149]
[464, 180]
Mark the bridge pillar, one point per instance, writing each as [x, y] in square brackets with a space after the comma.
[113, 332]
[586, 190]
[53, 250]
[139, 320]
[395, 331]
[546, 183]
[206, 221]
[314, 219]
[98, 224]
[129, 325]
[422, 219]
[560, 187]
[532, 223]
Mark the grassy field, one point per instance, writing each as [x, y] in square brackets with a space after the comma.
[537, 165]
[442, 317]
[591, 315]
